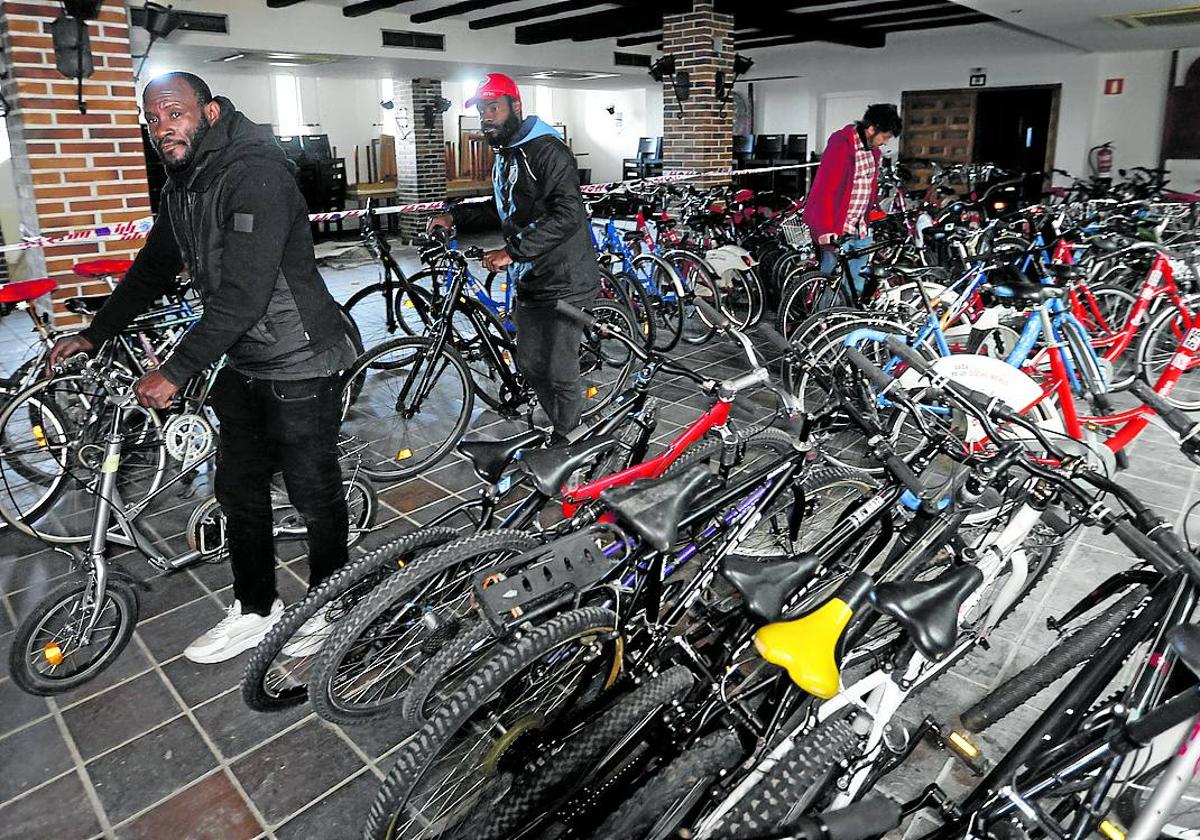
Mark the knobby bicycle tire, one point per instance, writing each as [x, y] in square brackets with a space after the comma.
[701, 764]
[399, 588]
[1068, 654]
[368, 570]
[417, 755]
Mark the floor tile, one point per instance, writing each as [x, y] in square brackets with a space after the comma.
[198, 683]
[59, 811]
[130, 663]
[235, 729]
[30, 756]
[118, 715]
[211, 809]
[18, 708]
[281, 776]
[167, 635]
[137, 775]
[339, 816]
[168, 592]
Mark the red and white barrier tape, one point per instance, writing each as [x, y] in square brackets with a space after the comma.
[138, 229]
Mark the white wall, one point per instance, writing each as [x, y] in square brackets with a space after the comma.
[915, 61]
[606, 139]
[1131, 121]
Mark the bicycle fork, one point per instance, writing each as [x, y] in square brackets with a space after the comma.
[98, 577]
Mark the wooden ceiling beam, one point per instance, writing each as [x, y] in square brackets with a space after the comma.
[968, 18]
[282, 4]
[545, 10]
[609, 23]
[365, 7]
[636, 40]
[461, 8]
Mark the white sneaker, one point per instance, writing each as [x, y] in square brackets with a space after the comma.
[309, 638]
[234, 633]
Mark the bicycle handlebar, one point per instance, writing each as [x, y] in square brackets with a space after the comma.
[1179, 422]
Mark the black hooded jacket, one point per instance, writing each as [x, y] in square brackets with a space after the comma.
[545, 226]
[236, 219]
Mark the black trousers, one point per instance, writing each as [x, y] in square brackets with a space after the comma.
[548, 357]
[278, 426]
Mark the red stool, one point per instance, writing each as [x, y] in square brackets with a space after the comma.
[108, 270]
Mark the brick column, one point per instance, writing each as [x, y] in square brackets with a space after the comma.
[420, 157]
[698, 136]
[73, 170]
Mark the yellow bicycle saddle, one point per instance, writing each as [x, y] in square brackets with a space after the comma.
[807, 647]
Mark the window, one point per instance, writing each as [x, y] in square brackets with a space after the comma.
[288, 117]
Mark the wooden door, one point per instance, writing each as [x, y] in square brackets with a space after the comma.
[938, 124]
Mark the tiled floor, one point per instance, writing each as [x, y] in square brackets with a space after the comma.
[157, 747]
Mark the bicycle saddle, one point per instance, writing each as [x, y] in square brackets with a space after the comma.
[766, 586]
[489, 458]
[1108, 243]
[928, 610]
[86, 304]
[102, 268]
[23, 290]
[809, 647]
[1063, 271]
[1185, 641]
[550, 468]
[653, 508]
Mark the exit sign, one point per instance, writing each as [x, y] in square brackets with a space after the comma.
[1114, 87]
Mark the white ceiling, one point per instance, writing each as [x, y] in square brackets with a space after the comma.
[1082, 23]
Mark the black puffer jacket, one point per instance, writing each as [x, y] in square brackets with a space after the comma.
[237, 221]
[541, 214]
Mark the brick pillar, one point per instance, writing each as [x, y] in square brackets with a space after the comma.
[421, 156]
[698, 136]
[73, 170]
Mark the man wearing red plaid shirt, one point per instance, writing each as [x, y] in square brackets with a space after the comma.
[847, 186]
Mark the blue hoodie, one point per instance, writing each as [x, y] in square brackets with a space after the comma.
[531, 128]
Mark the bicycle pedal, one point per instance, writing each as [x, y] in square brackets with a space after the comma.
[962, 748]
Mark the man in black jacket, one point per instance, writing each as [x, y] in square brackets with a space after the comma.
[233, 216]
[547, 250]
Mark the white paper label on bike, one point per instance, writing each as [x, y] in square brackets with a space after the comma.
[110, 464]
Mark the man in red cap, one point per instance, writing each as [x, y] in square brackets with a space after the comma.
[547, 251]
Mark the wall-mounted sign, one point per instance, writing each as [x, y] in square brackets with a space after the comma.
[978, 79]
[1114, 87]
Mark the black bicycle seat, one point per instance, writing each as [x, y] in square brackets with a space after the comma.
[928, 609]
[653, 508]
[1108, 243]
[551, 467]
[766, 586]
[489, 458]
[86, 305]
[1063, 271]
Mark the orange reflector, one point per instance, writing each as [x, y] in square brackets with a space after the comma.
[39, 434]
[1111, 831]
[592, 391]
[404, 454]
[53, 653]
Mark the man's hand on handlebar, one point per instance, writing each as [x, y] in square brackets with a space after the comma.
[496, 260]
[67, 347]
[154, 390]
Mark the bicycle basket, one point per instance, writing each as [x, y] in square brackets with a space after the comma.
[795, 232]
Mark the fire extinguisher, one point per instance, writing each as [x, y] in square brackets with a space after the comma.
[1100, 160]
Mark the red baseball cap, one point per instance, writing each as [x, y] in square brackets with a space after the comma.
[493, 86]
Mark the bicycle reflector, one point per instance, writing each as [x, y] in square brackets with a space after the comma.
[1111, 831]
[404, 454]
[592, 391]
[53, 653]
[960, 743]
[39, 435]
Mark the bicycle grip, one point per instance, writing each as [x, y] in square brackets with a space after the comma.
[868, 818]
[868, 369]
[710, 314]
[576, 314]
[909, 355]
[1144, 547]
[773, 338]
[902, 472]
[1179, 422]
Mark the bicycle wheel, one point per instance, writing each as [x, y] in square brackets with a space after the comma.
[274, 681]
[1158, 345]
[665, 295]
[605, 363]
[1104, 312]
[369, 661]
[47, 655]
[65, 460]
[792, 786]
[804, 291]
[700, 283]
[622, 288]
[367, 308]
[573, 763]
[741, 298]
[685, 779]
[415, 404]
[362, 505]
[463, 757]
